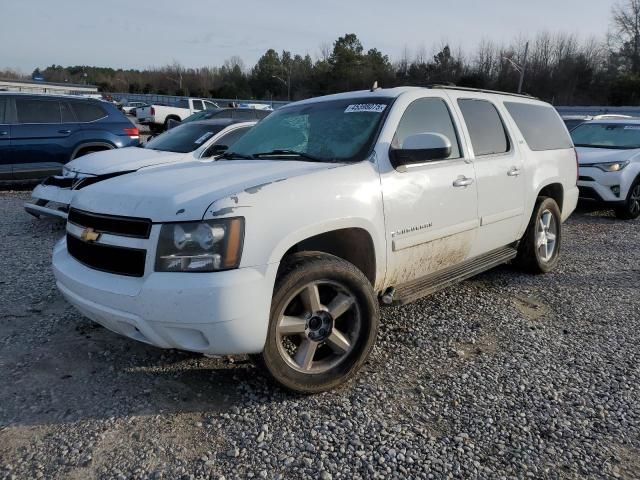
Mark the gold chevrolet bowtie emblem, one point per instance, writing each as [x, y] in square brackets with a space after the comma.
[89, 235]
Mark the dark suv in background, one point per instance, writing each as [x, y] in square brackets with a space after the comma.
[40, 133]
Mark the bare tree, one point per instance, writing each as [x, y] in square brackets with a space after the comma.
[626, 34]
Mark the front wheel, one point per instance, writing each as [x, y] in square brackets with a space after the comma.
[539, 248]
[631, 208]
[323, 324]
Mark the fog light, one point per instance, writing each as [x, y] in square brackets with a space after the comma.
[616, 190]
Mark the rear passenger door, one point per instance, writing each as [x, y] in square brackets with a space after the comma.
[499, 173]
[39, 144]
[5, 140]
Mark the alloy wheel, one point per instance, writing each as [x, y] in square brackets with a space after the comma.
[634, 200]
[318, 326]
[546, 235]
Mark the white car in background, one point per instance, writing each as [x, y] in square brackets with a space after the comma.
[609, 158]
[203, 141]
[130, 107]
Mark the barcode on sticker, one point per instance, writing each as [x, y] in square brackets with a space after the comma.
[365, 107]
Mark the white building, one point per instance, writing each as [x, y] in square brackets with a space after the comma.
[33, 86]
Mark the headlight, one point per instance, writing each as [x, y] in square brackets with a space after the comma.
[206, 246]
[610, 166]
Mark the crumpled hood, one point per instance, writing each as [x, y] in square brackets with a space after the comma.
[589, 156]
[183, 192]
[124, 160]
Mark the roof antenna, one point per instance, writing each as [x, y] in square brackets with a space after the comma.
[375, 86]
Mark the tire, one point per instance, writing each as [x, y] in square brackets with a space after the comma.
[166, 123]
[312, 350]
[631, 208]
[546, 219]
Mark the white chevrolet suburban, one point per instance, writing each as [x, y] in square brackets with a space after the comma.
[284, 247]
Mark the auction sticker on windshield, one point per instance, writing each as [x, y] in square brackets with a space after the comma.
[365, 107]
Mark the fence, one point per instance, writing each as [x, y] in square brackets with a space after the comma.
[173, 99]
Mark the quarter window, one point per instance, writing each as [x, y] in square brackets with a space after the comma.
[37, 111]
[87, 112]
[540, 125]
[2, 109]
[427, 115]
[487, 132]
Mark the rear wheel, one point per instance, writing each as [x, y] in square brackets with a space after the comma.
[539, 248]
[324, 321]
[631, 209]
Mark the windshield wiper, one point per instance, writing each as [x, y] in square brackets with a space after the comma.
[232, 155]
[276, 153]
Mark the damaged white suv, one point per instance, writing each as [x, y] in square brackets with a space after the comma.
[283, 248]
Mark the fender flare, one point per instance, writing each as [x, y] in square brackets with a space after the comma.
[107, 145]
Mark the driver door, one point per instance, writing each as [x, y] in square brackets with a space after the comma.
[430, 208]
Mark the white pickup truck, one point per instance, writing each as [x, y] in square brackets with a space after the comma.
[157, 116]
[284, 247]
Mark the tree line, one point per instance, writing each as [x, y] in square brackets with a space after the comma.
[560, 68]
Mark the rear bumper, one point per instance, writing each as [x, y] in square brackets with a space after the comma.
[214, 313]
[569, 202]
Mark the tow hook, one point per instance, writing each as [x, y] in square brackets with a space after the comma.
[387, 296]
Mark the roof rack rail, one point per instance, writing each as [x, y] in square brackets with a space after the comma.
[446, 86]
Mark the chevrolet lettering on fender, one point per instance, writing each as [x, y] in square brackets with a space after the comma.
[286, 246]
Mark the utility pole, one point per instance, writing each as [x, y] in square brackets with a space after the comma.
[520, 68]
[286, 83]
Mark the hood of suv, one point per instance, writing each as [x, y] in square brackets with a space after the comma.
[183, 192]
[589, 156]
[123, 159]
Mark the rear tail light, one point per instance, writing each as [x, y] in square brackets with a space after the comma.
[132, 132]
[152, 111]
[575, 151]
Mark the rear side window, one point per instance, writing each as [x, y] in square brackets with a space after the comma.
[197, 105]
[485, 126]
[88, 112]
[244, 115]
[427, 115]
[31, 110]
[3, 109]
[540, 125]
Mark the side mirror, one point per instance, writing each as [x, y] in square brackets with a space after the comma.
[172, 122]
[216, 150]
[420, 148]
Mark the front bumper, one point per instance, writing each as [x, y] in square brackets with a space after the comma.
[214, 313]
[50, 200]
[596, 185]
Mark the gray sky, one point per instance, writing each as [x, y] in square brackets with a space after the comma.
[130, 33]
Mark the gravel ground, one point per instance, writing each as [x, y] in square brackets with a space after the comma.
[503, 376]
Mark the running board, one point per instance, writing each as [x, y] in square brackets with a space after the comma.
[421, 287]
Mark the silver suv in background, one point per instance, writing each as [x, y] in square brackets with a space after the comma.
[609, 156]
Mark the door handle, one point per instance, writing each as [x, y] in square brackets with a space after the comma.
[66, 132]
[2, 134]
[462, 182]
[513, 172]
